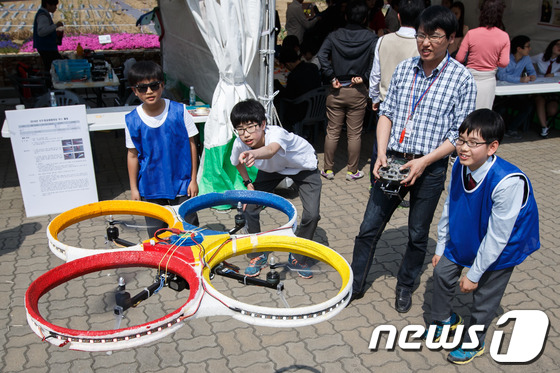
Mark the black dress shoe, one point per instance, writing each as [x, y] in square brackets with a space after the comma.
[355, 296]
[403, 301]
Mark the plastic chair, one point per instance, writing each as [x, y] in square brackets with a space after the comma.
[63, 98]
[316, 110]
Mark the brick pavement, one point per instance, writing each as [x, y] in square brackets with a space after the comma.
[219, 344]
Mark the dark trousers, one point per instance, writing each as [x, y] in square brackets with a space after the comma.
[486, 297]
[48, 57]
[424, 197]
[309, 186]
[155, 224]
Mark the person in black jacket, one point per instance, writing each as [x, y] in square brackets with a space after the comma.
[351, 53]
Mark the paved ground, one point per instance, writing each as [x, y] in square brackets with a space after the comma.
[219, 344]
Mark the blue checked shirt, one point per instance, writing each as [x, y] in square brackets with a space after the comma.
[438, 115]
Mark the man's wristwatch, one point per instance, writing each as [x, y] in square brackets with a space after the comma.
[247, 182]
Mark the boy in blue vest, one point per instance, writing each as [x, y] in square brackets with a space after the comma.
[489, 224]
[160, 137]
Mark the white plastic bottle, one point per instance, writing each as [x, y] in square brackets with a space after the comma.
[192, 96]
[53, 99]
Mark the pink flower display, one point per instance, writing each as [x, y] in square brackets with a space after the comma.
[91, 41]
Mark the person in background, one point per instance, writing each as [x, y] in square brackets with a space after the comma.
[45, 37]
[547, 65]
[160, 135]
[519, 70]
[489, 225]
[346, 57]
[429, 96]
[296, 20]
[390, 50]
[375, 18]
[487, 48]
[303, 77]
[390, 10]
[459, 10]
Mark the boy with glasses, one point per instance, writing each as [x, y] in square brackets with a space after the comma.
[489, 224]
[160, 136]
[277, 154]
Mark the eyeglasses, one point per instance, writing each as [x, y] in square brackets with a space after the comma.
[143, 88]
[250, 128]
[432, 38]
[470, 144]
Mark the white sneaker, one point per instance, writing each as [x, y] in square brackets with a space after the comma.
[544, 132]
[358, 175]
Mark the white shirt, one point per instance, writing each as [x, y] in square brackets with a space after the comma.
[295, 154]
[542, 66]
[157, 121]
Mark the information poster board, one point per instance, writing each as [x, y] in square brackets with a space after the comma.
[53, 157]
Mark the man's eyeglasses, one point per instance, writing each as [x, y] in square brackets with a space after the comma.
[435, 38]
[250, 128]
[143, 88]
[470, 144]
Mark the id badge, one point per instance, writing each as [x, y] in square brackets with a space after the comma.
[408, 128]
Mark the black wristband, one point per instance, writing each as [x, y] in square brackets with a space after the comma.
[247, 182]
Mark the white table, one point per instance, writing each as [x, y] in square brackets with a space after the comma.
[106, 119]
[540, 85]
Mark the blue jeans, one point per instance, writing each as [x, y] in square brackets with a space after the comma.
[424, 197]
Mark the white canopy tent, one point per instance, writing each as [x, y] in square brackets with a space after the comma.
[214, 45]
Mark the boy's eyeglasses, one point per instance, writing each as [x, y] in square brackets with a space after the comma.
[435, 38]
[250, 128]
[470, 144]
[143, 88]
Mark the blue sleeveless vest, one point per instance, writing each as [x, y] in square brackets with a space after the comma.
[45, 43]
[164, 154]
[469, 213]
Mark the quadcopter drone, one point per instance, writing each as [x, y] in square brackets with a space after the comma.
[184, 257]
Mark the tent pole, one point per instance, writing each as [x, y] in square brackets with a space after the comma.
[268, 42]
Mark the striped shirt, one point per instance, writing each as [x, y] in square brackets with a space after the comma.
[438, 115]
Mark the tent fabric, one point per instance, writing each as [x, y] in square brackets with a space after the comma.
[231, 29]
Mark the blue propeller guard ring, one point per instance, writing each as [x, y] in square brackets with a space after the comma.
[232, 197]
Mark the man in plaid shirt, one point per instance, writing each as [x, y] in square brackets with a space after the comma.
[428, 98]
